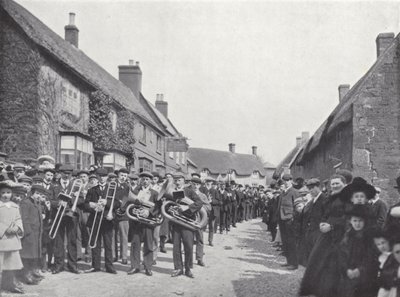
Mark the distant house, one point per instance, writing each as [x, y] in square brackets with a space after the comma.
[362, 133]
[269, 171]
[228, 165]
[55, 100]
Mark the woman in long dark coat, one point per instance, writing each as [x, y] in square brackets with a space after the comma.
[322, 274]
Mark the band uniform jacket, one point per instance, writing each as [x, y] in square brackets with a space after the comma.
[31, 214]
[215, 200]
[286, 204]
[122, 192]
[59, 188]
[10, 215]
[94, 195]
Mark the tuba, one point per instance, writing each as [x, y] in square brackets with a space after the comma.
[99, 214]
[66, 197]
[136, 211]
[170, 210]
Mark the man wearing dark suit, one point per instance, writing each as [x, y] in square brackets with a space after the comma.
[214, 218]
[241, 202]
[379, 208]
[234, 204]
[138, 231]
[285, 221]
[96, 202]
[68, 224]
[122, 226]
[223, 194]
[312, 215]
[182, 234]
[392, 224]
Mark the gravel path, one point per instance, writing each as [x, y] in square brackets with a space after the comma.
[241, 263]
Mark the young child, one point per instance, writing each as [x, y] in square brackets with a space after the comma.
[11, 230]
[357, 261]
[389, 278]
[31, 213]
[383, 247]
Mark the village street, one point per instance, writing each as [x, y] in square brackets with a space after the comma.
[241, 264]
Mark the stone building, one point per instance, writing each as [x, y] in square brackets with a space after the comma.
[55, 100]
[227, 165]
[362, 133]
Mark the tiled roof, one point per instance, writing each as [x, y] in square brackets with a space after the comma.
[343, 112]
[73, 58]
[221, 161]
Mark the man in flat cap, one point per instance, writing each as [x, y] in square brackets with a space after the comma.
[123, 224]
[286, 212]
[137, 231]
[312, 214]
[216, 203]
[182, 234]
[68, 225]
[83, 232]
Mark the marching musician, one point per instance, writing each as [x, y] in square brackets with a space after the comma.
[123, 224]
[197, 183]
[96, 202]
[68, 225]
[214, 217]
[182, 234]
[82, 231]
[138, 231]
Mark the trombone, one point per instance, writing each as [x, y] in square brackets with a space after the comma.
[64, 197]
[97, 221]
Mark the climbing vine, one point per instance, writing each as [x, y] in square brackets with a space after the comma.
[100, 126]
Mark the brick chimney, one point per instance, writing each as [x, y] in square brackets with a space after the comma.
[131, 76]
[383, 41]
[71, 31]
[254, 150]
[305, 136]
[343, 89]
[232, 147]
[162, 105]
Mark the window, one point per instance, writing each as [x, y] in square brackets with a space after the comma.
[76, 151]
[113, 119]
[183, 158]
[114, 161]
[159, 144]
[142, 133]
[71, 101]
[145, 165]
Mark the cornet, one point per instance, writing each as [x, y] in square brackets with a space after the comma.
[64, 197]
[97, 221]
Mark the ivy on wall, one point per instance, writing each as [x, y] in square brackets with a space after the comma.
[100, 127]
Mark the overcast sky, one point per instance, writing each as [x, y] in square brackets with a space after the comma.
[251, 73]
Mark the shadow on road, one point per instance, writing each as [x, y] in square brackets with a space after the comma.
[264, 276]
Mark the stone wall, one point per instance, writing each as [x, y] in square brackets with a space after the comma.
[376, 150]
[19, 68]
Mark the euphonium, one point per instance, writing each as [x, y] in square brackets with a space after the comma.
[99, 214]
[137, 210]
[170, 210]
[66, 197]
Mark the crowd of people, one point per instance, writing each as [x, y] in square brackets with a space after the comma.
[340, 230]
[52, 217]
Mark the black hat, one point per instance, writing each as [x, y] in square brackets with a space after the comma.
[123, 170]
[83, 171]
[101, 172]
[49, 169]
[360, 211]
[196, 180]
[287, 176]
[7, 184]
[66, 168]
[313, 182]
[40, 189]
[358, 185]
[155, 174]
[146, 174]
[133, 176]
[397, 186]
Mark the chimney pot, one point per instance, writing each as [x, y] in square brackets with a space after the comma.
[232, 147]
[131, 62]
[383, 40]
[254, 150]
[72, 18]
[162, 105]
[71, 31]
[137, 63]
[298, 141]
[343, 90]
